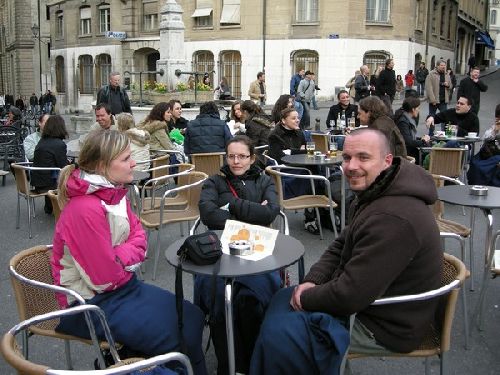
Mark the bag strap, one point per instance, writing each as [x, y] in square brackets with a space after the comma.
[233, 190]
[211, 314]
[179, 298]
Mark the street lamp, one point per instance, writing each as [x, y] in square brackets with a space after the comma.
[35, 30]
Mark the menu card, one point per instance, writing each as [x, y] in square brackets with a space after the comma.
[262, 239]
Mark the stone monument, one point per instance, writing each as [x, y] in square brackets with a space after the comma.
[172, 55]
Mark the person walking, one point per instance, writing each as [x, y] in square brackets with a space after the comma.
[114, 95]
[438, 84]
[409, 80]
[362, 84]
[257, 90]
[33, 102]
[421, 75]
[471, 87]
[305, 92]
[386, 84]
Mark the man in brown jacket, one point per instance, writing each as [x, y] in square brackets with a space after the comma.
[257, 90]
[391, 247]
[437, 87]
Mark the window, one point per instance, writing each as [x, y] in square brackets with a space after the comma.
[203, 13]
[230, 68]
[443, 19]
[230, 12]
[418, 15]
[104, 18]
[86, 66]
[493, 17]
[103, 69]
[450, 18]
[434, 19]
[375, 59]
[306, 11]
[85, 21]
[203, 61]
[377, 10]
[305, 59]
[150, 15]
[60, 86]
[59, 24]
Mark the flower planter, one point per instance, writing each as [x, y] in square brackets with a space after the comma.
[184, 96]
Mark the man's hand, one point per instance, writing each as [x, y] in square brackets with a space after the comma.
[426, 138]
[429, 122]
[297, 292]
[264, 202]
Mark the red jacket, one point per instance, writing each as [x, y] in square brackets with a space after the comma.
[409, 79]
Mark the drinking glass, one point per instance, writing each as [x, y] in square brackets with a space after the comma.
[310, 147]
[453, 131]
[332, 148]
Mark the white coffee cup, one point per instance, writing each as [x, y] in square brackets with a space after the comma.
[472, 135]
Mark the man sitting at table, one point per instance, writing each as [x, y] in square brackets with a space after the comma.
[391, 247]
[461, 115]
[104, 119]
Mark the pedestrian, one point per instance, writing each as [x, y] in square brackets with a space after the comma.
[471, 87]
[20, 103]
[422, 73]
[399, 86]
[114, 95]
[362, 84]
[438, 84]
[306, 91]
[257, 90]
[453, 79]
[316, 88]
[351, 84]
[386, 84]
[471, 63]
[409, 80]
[33, 103]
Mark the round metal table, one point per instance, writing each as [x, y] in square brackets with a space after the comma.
[287, 251]
[459, 195]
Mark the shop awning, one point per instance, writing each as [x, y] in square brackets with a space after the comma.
[202, 12]
[483, 38]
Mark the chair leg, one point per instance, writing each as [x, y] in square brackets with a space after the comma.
[18, 211]
[466, 318]
[157, 253]
[301, 269]
[319, 223]
[427, 366]
[67, 353]
[182, 228]
[29, 216]
[443, 363]
[25, 338]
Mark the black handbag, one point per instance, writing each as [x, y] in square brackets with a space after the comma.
[201, 249]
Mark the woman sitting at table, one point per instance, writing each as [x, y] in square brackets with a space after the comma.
[139, 140]
[242, 193]
[287, 138]
[372, 112]
[49, 152]
[156, 124]
[257, 123]
[237, 123]
[283, 102]
[484, 167]
[406, 121]
[98, 244]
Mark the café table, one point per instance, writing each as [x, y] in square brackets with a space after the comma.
[303, 160]
[460, 195]
[287, 251]
[465, 140]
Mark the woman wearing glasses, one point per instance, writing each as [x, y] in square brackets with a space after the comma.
[242, 193]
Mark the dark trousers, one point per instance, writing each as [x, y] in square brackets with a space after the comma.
[441, 106]
[305, 121]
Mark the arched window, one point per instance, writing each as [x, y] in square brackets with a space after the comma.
[60, 84]
[493, 18]
[86, 66]
[305, 59]
[230, 67]
[433, 63]
[418, 60]
[203, 61]
[151, 60]
[103, 69]
[373, 59]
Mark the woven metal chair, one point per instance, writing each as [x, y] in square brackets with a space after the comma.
[321, 142]
[437, 339]
[209, 163]
[35, 294]
[56, 208]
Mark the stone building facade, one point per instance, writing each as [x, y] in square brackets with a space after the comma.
[236, 39]
[494, 23]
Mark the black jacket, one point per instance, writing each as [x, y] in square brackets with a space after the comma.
[206, 133]
[408, 130]
[391, 247]
[421, 74]
[362, 87]
[118, 99]
[284, 139]
[181, 123]
[258, 128]
[350, 111]
[49, 152]
[252, 189]
[467, 122]
[386, 83]
[472, 90]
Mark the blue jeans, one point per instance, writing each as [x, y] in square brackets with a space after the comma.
[421, 88]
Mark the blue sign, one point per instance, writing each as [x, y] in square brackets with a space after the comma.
[116, 34]
[333, 36]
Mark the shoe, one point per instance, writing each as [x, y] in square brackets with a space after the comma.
[311, 227]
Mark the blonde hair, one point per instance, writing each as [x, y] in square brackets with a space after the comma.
[125, 121]
[99, 149]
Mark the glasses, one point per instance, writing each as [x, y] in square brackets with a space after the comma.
[237, 157]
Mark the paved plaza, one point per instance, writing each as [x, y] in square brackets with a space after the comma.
[483, 357]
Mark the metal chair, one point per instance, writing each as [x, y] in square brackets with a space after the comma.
[56, 208]
[12, 355]
[447, 161]
[437, 339]
[209, 163]
[35, 294]
[24, 190]
[156, 218]
[304, 201]
[321, 142]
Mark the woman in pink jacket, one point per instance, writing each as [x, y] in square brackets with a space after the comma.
[99, 242]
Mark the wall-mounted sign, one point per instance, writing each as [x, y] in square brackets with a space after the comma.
[333, 36]
[116, 34]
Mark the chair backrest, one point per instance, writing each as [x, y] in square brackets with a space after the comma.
[446, 161]
[56, 209]
[21, 177]
[411, 159]
[159, 162]
[193, 194]
[321, 141]
[278, 183]
[209, 163]
[33, 264]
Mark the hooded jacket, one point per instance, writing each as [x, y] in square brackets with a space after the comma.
[252, 189]
[258, 128]
[391, 247]
[158, 131]
[96, 237]
[282, 138]
[139, 147]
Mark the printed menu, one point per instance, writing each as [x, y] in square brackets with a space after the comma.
[262, 239]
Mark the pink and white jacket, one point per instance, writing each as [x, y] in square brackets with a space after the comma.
[97, 238]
